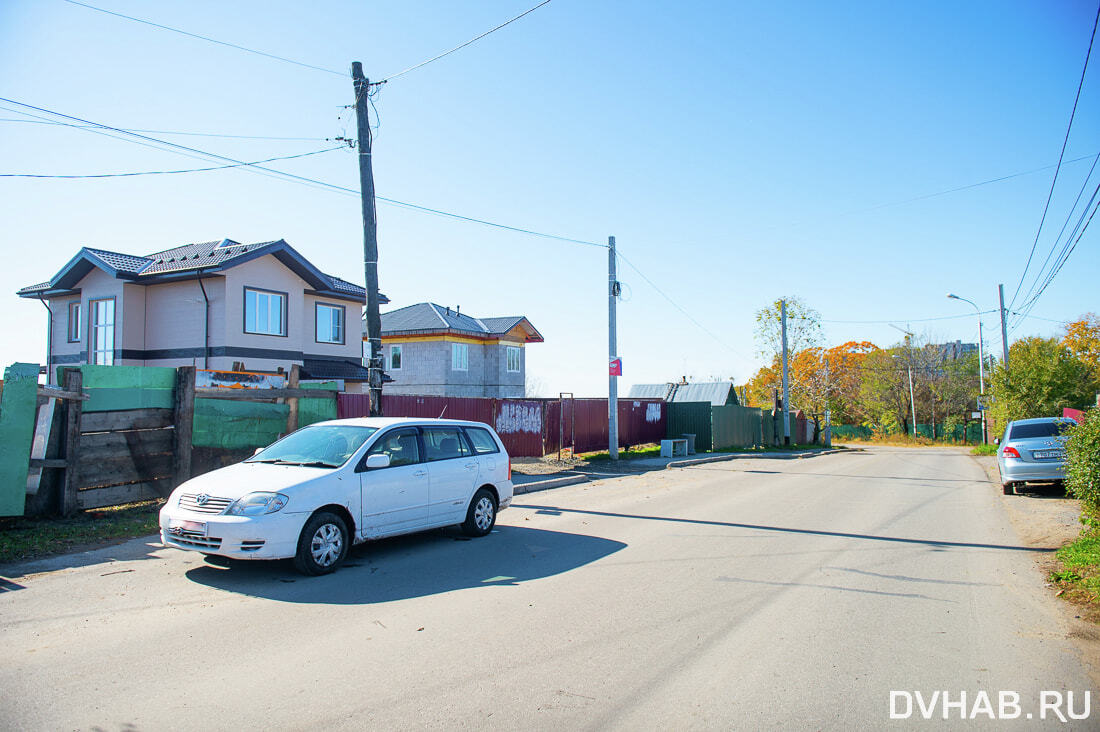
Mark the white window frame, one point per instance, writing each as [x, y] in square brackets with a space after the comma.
[269, 295]
[74, 322]
[101, 331]
[396, 349]
[460, 357]
[509, 352]
[338, 327]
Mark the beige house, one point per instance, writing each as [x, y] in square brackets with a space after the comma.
[217, 305]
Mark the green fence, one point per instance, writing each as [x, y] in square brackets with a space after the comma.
[235, 425]
[972, 433]
[691, 418]
[18, 406]
[734, 426]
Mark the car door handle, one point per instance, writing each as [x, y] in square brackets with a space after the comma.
[420, 473]
[471, 466]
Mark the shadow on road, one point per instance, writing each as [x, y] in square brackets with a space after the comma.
[416, 565]
[976, 481]
[938, 545]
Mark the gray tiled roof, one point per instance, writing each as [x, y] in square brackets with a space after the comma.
[208, 255]
[718, 393]
[427, 316]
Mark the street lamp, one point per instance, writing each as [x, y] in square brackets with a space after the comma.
[981, 362]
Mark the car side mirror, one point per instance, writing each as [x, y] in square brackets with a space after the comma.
[258, 451]
[375, 462]
[996, 440]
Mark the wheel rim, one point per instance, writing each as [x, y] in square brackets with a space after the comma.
[326, 545]
[483, 513]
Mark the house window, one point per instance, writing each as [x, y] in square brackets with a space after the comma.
[395, 358]
[460, 357]
[102, 331]
[74, 321]
[513, 359]
[330, 323]
[264, 312]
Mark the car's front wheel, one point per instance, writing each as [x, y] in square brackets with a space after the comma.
[481, 516]
[323, 544]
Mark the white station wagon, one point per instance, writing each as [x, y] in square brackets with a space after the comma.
[317, 491]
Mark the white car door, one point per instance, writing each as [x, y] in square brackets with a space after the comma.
[453, 473]
[395, 499]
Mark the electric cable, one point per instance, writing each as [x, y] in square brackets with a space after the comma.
[458, 48]
[1065, 141]
[176, 132]
[169, 172]
[206, 38]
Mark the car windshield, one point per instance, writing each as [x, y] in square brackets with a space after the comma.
[1038, 429]
[320, 446]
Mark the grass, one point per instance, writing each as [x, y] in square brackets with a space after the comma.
[22, 539]
[990, 450]
[1079, 578]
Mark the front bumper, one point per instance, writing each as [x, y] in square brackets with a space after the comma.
[272, 536]
[1018, 471]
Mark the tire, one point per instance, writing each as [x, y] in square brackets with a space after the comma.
[1009, 489]
[323, 544]
[481, 516]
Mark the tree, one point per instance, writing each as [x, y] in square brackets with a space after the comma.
[1083, 340]
[845, 364]
[884, 391]
[803, 328]
[1083, 461]
[1045, 376]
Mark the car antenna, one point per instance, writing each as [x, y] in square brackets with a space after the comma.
[441, 413]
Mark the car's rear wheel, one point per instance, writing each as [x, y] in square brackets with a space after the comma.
[1008, 488]
[481, 516]
[323, 544]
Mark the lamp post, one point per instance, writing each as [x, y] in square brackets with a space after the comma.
[981, 362]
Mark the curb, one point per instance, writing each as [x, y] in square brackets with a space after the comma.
[541, 485]
[737, 455]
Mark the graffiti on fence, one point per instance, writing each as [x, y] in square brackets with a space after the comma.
[519, 418]
[652, 412]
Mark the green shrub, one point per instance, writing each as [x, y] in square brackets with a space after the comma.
[1083, 461]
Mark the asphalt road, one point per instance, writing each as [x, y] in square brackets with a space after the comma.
[752, 594]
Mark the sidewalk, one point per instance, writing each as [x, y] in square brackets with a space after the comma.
[601, 470]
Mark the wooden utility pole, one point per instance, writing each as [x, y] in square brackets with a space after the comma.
[612, 353]
[1004, 329]
[786, 377]
[370, 236]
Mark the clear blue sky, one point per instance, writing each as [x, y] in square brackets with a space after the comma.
[738, 152]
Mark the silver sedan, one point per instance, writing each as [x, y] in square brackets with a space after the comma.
[1032, 450]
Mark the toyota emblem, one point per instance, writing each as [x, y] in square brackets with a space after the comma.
[202, 499]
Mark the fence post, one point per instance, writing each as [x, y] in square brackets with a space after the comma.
[184, 419]
[73, 381]
[292, 414]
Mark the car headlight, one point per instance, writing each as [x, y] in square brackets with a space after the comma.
[257, 504]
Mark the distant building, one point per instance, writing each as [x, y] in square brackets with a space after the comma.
[432, 350]
[955, 350]
[717, 393]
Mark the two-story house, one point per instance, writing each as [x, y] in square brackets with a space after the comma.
[433, 350]
[219, 305]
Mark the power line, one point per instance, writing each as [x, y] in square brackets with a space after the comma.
[147, 141]
[908, 320]
[175, 132]
[676, 305]
[168, 172]
[206, 38]
[1065, 141]
[457, 48]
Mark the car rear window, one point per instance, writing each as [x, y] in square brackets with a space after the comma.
[1037, 429]
[482, 441]
[444, 443]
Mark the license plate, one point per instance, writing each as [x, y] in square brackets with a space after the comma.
[1047, 454]
[178, 526]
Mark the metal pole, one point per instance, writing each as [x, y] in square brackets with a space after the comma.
[912, 401]
[1004, 330]
[981, 379]
[786, 380]
[370, 237]
[612, 348]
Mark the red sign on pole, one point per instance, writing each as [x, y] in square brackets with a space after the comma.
[616, 368]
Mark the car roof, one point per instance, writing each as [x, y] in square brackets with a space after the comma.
[382, 422]
[1041, 420]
